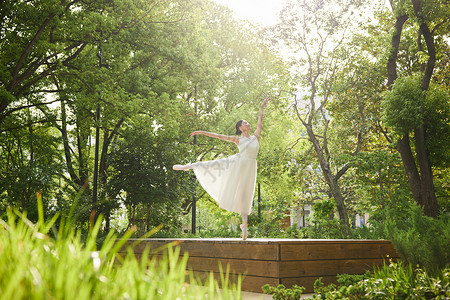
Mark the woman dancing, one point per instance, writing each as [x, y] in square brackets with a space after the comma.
[231, 181]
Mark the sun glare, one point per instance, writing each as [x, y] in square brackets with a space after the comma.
[264, 12]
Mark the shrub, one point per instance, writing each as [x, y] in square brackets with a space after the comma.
[392, 281]
[421, 240]
[323, 223]
[282, 293]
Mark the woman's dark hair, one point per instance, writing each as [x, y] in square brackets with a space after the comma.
[238, 124]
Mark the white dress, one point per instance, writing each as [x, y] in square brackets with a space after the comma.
[231, 181]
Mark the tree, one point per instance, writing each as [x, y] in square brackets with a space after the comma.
[29, 157]
[37, 40]
[315, 33]
[405, 107]
[140, 63]
[141, 177]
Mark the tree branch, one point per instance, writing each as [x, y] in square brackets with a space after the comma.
[425, 30]
[27, 51]
[392, 61]
[28, 106]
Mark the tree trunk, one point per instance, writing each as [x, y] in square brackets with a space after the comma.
[103, 175]
[67, 150]
[409, 164]
[330, 178]
[339, 198]
[428, 195]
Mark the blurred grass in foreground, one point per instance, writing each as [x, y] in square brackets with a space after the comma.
[34, 265]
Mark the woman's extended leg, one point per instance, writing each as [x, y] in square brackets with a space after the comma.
[244, 226]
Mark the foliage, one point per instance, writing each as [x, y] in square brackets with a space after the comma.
[315, 33]
[437, 122]
[350, 279]
[217, 233]
[324, 225]
[162, 68]
[406, 108]
[404, 105]
[420, 240]
[416, 160]
[34, 265]
[31, 162]
[380, 181]
[392, 281]
[170, 67]
[142, 178]
[282, 293]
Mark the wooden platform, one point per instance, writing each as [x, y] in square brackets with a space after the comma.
[279, 261]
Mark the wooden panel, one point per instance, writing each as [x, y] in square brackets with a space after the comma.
[243, 251]
[199, 248]
[237, 266]
[248, 283]
[326, 267]
[314, 251]
[254, 283]
[248, 267]
[308, 282]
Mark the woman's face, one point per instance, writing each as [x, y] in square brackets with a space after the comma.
[245, 126]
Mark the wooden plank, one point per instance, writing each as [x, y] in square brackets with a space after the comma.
[315, 251]
[254, 283]
[307, 282]
[223, 250]
[326, 267]
[248, 283]
[236, 266]
[198, 248]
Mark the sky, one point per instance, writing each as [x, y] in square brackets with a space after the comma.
[264, 12]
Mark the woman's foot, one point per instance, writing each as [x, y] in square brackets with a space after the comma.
[180, 168]
[244, 230]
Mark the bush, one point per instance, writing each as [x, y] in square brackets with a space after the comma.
[349, 279]
[421, 240]
[323, 223]
[282, 293]
[392, 281]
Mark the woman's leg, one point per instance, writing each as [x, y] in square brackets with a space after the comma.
[244, 226]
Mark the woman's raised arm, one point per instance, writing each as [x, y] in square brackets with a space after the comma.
[260, 117]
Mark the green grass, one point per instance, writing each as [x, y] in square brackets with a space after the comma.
[38, 261]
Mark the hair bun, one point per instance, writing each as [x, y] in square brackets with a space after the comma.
[238, 124]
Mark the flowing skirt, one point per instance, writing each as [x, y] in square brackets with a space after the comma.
[229, 181]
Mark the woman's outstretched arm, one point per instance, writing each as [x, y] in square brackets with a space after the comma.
[228, 138]
[260, 117]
